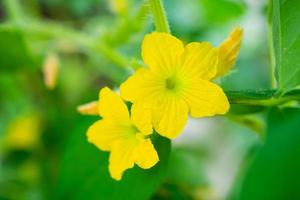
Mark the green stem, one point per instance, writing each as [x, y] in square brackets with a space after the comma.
[56, 31]
[13, 10]
[159, 16]
[262, 98]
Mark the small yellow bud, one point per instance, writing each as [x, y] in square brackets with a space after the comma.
[228, 51]
[90, 108]
[50, 70]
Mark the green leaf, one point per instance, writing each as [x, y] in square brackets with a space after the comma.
[186, 168]
[274, 173]
[13, 49]
[285, 17]
[84, 172]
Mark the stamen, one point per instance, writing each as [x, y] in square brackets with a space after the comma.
[170, 83]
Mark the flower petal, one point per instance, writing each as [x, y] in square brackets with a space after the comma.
[145, 154]
[141, 118]
[142, 85]
[121, 158]
[161, 52]
[170, 115]
[104, 133]
[199, 61]
[205, 99]
[228, 51]
[111, 106]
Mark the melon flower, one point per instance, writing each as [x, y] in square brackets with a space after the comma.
[125, 136]
[175, 82]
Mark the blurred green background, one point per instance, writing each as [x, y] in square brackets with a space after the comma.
[94, 43]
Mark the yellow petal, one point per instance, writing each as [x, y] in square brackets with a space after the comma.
[141, 118]
[90, 108]
[145, 154]
[111, 106]
[142, 85]
[121, 158]
[228, 51]
[161, 52]
[105, 133]
[170, 116]
[205, 99]
[199, 61]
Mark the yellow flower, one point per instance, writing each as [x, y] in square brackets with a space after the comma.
[125, 136]
[228, 51]
[175, 82]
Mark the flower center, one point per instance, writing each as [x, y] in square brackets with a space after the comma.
[170, 83]
[133, 129]
[135, 134]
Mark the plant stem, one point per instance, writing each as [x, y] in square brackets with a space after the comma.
[262, 98]
[159, 16]
[13, 10]
[56, 31]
